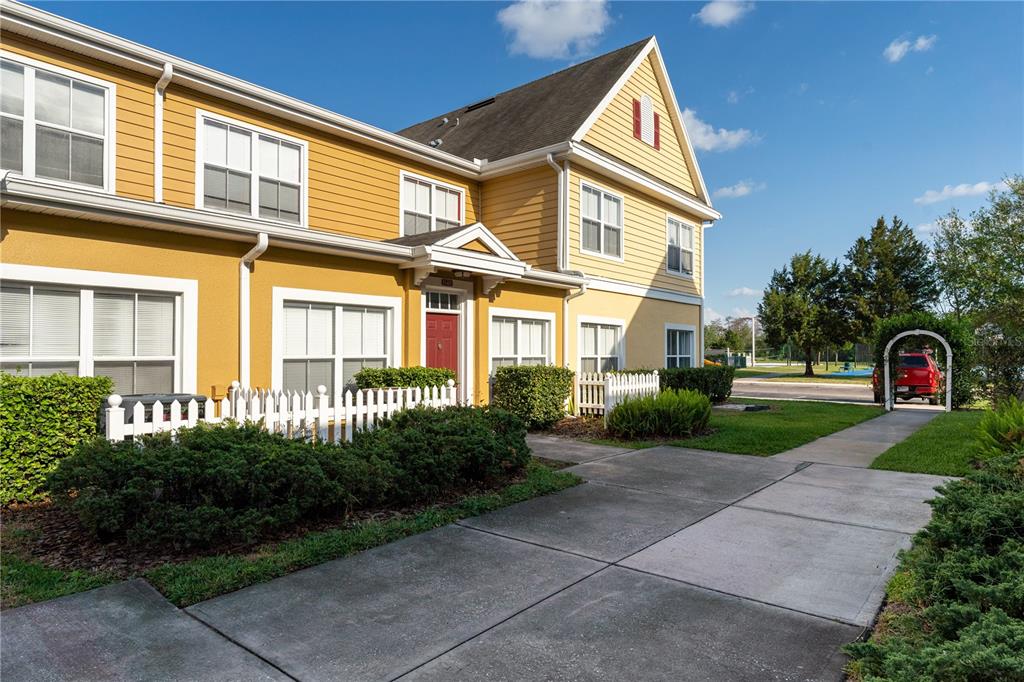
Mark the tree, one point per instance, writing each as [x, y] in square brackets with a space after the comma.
[954, 266]
[719, 334]
[888, 273]
[805, 303]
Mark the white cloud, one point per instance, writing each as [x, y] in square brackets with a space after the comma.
[740, 189]
[710, 314]
[925, 228]
[548, 29]
[742, 312]
[723, 13]
[743, 291]
[707, 139]
[900, 47]
[933, 196]
[733, 97]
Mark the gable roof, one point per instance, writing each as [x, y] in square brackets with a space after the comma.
[541, 113]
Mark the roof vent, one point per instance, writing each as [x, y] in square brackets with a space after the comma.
[480, 105]
[436, 143]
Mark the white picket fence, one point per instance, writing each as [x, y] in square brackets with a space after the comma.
[291, 413]
[597, 393]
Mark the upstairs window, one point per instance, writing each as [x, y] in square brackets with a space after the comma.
[428, 206]
[680, 247]
[251, 172]
[646, 122]
[601, 222]
[55, 124]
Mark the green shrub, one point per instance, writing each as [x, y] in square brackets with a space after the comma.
[403, 377]
[42, 420]
[231, 483]
[670, 414]
[1002, 430]
[714, 382]
[537, 394]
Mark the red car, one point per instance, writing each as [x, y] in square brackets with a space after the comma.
[917, 376]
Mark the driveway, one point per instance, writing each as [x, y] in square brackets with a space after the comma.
[667, 564]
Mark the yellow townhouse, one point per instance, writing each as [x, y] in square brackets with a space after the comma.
[177, 229]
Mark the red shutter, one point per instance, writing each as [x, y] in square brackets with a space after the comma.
[636, 118]
[657, 131]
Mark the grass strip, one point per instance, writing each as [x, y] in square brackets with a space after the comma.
[945, 446]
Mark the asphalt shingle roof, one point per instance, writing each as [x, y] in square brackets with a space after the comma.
[541, 113]
[426, 238]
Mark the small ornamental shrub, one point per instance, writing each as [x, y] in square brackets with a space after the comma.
[1002, 430]
[537, 394]
[403, 377]
[670, 414]
[42, 420]
[715, 382]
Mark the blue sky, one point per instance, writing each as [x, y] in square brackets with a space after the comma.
[810, 119]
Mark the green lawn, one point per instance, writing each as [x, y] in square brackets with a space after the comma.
[944, 446]
[795, 372]
[788, 424]
[23, 581]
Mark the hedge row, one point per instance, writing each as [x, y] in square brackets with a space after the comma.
[236, 483]
[403, 377]
[42, 420]
[537, 394]
[714, 382]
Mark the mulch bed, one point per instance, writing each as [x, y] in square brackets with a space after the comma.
[592, 428]
[53, 536]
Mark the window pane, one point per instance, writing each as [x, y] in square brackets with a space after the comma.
[121, 373]
[589, 333]
[295, 330]
[12, 89]
[113, 324]
[612, 241]
[215, 143]
[687, 236]
[42, 369]
[673, 259]
[352, 332]
[533, 361]
[11, 144]
[268, 199]
[409, 194]
[288, 168]
[609, 364]
[503, 331]
[155, 326]
[588, 365]
[294, 378]
[239, 199]
[154, 377]
[589, 200]
[422, 197]
[612, 211]
[374, 323]
[14, 316]
[52, 153]
[289, 203]
[268, 157]
[321, 373]
[673, 233]
[533, 337]
[54, 322]
[591, 235]
[687, 262]
[87, 108]
[608, 343]
[671, 362]
[416, 224]
[215, 188]
[454, 209]
[349, 368]
[86, 160]
[673, 342]
[321, 331]
[239, 149]
[446, 224]
[53, 99]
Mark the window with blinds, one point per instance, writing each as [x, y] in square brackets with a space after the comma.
[678, 348]
[601, 222]
[680, 247]
[53, 125]
[519, 341]
[133, 335]
[600, 347]
[250, 172]
[429, 206]
[327, 345]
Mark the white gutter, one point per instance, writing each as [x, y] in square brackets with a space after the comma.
[244, 269]
[559, 259]
[158, 132]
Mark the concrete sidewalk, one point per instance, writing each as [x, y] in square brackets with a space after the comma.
[667, 564]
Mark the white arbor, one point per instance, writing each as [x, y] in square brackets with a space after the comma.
[949, 365]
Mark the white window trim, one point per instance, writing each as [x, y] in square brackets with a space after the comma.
[29, 124]
[670, 326]
[402, 175]
[622, 229]
[609, 321]
[693, 249]
[186, 334]
[254, 190]
[467, 355]
[525, 315]
[280, 295]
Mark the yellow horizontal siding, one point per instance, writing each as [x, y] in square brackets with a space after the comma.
[353, 189]
[522, 211]
[613, 131]
[644, 238]
[133, 111]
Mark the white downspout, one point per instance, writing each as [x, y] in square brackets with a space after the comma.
[244, 265]
[560, 259]
[158, 132]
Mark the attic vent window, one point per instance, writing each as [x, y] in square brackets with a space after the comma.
[646, 122]
[480, 105]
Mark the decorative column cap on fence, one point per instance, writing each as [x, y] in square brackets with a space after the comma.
[235, 385]
[450, 383]
[114, 400]
[321, 390]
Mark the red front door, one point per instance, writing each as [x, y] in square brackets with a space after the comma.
[443, 341]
